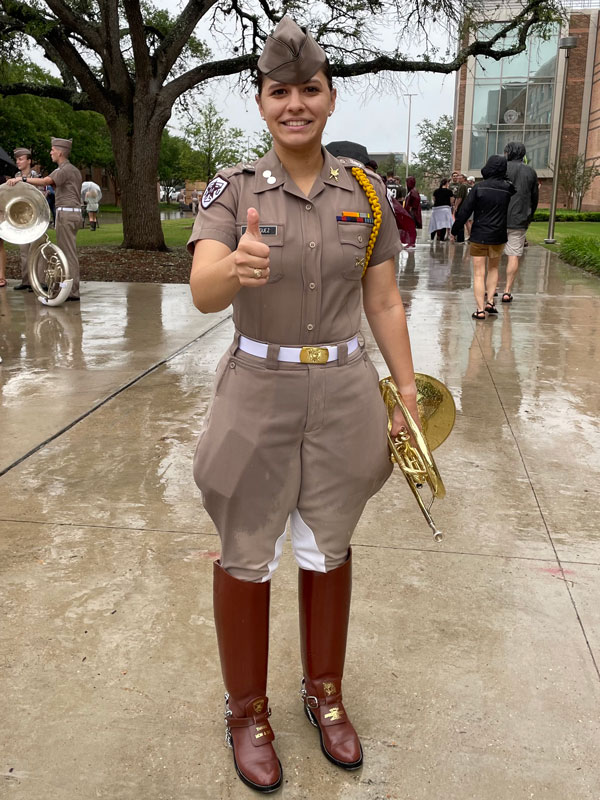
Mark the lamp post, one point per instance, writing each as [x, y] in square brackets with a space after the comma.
[566, 43]
[410, 97]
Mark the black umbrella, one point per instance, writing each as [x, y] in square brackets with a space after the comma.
[349, 149]
[7, 165]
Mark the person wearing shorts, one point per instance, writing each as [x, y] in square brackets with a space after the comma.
[488, 202]
[520, 210]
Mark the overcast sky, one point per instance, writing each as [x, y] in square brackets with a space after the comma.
[377, 118]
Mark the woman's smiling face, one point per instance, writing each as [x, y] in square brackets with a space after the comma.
[296, 113]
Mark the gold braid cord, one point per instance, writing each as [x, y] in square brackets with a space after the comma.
[369, 190]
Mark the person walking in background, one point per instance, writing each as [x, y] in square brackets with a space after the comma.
[91, 206]
[91, 195]
[462, 190]
[488, 201]
[412, 204]
[441, 214]
[51, 200]
[520, 211]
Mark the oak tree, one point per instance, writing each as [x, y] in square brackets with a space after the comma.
[131, 61]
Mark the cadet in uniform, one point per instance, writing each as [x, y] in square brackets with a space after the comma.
[23, 160]
[297, 427]
[67, 182]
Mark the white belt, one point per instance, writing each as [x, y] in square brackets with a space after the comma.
[297, 355]
[63, 208]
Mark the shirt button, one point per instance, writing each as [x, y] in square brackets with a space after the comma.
[310, 326]
[360, 239]
[308, 206]
[312, 285]
[312, 245]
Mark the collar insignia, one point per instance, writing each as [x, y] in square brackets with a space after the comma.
[334, 173]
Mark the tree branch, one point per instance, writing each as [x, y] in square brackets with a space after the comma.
[141, 55]
[77, 100]
[169, 50]
[76, 23]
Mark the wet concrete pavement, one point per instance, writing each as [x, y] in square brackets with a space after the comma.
[472, 667]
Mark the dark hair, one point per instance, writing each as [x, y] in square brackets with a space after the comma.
[514, 151]
[372, 165]
[444, 182]
[260, 77]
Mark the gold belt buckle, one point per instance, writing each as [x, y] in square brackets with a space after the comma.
[314, 355]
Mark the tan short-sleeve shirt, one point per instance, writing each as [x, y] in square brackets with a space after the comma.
[317, 247]
[67, 180]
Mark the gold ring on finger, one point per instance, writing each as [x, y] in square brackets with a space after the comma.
[258, 274]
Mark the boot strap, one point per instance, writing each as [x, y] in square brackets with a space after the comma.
[260, 727]
[329, 710]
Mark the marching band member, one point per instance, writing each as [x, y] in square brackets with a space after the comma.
[66, 179]
[297, 429]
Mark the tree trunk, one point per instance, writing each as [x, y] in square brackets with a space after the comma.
[136, 147]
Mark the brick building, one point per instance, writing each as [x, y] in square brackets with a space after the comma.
[518, 99]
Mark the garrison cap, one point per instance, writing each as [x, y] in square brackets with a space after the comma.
[291, 55]
[22, 151]
[63, 144]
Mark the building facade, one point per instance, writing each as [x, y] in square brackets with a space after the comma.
[519, 99]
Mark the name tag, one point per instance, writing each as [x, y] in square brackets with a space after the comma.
[265, 230]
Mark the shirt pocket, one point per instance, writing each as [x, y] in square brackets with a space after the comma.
[273, 234]
[354, 238]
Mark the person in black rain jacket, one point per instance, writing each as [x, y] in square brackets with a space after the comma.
[488, 201]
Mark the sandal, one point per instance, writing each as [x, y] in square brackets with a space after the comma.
[2, 283]
[478, 314]
[507, 297]
[491, 308]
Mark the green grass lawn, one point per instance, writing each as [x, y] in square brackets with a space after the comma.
[176, 231]
[538, 231]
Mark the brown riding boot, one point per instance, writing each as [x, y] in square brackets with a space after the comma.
[241, 613]
[324, 612]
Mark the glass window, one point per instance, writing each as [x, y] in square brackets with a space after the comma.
[485, 103]
[537, 143]
[539, 103]
[542, 61]
[489, 67]
[507, 135]
[484, 143]
[513, 98]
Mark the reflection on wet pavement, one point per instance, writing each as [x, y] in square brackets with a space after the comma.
[105, 552]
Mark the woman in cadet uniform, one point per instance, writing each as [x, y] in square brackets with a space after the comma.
[297, 427]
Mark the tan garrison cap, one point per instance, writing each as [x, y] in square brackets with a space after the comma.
[63, 144]
[291, 55]
[21, 151]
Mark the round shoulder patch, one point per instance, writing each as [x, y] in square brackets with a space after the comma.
[214, 189]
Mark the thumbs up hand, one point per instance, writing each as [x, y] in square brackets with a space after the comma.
[251, 258]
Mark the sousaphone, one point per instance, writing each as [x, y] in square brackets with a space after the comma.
[411, 449]
[24, 219]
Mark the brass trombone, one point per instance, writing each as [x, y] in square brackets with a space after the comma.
[437, 413]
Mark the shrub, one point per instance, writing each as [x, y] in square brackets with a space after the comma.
[566, 215]
[582, 251]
